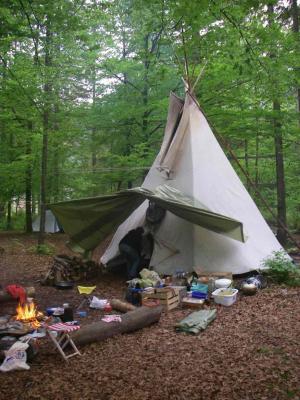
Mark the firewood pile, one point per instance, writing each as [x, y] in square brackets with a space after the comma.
[65, 268]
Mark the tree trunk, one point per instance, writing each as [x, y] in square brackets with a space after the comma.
[8, 216]
[28, 184]
[94, 145]
[46, 114]
[256, 158]
[2, 211]
[247, 163]
[280, 180]
[295, 28]
[145, 91]
[278, 142]
[131, 321]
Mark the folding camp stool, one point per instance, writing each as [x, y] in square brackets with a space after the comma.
[59, 334]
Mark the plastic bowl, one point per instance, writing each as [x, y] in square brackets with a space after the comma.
[222, 283]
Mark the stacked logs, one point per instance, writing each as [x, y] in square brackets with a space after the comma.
[67, 268]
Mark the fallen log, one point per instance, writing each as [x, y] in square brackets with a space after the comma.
[122, 306]
[4, 296]
[131, 321]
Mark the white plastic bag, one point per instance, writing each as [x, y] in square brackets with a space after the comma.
[15, 358]
[98, 303]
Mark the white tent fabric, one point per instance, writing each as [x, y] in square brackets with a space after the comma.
[51, 225]
[192, 161]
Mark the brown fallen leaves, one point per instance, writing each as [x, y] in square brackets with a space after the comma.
[251, 351]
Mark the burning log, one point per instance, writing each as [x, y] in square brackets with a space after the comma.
[4, 296]
[131, 321]
[28, 314]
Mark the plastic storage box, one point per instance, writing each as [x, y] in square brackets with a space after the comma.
[225, 300]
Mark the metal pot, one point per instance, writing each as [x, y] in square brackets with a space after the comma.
[64, 285]
[248, 288]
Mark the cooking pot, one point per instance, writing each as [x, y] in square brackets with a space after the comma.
[64, 285]
[248, 288]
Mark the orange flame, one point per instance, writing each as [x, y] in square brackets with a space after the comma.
[28, 313]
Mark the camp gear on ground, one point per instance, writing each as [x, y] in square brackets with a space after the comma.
[86, 289]
[224, 296]
[199, 295]
[64, 285]
[111, 318]
[151, 302]
[167, 296]
[16, 358]
[17, 292]
[196, 322]
[222, 283]
[152, 276]
[199, 288]
[258, 280]
[248, 288]
[133, 296]
[81, 314]
[68, 313]
[58, 311]
[192, 302]
[98, 303]
[59, 334]
[50, 310]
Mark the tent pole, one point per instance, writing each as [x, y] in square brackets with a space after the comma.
[198, 77]
[228, 147]
[186, 64]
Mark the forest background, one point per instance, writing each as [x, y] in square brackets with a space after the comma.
[85, 85]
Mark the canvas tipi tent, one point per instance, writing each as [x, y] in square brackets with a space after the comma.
[192, 161]
[211, 221]
[51, 224]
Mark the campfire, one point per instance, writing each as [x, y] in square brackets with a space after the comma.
[28, 314]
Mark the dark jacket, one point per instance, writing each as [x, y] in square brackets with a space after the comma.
[134, 239]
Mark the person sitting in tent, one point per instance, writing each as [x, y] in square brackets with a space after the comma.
[154, 215]
[147, 249]
[131, 247]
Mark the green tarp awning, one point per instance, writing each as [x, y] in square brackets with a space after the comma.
[89, 221]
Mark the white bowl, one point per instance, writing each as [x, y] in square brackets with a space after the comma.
[222, 283]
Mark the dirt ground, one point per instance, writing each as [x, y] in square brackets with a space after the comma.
[251, 351]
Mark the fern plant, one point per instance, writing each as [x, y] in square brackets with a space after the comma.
[281, 269]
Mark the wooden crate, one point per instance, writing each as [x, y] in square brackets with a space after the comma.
[192, 303]
[168, 297]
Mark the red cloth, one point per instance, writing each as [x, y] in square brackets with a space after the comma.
[63, 327]
[17, 292]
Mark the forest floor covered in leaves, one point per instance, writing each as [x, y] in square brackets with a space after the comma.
[251, 351]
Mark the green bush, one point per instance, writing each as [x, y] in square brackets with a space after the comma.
[43, 249]
[281, 269]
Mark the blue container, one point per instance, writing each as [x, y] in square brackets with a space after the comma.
[81, 314]
[50, 310]
[199, 295]
[199, 287]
